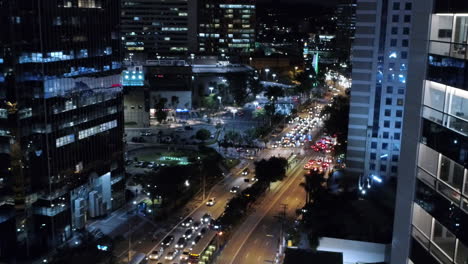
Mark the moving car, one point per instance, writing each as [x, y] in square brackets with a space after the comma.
[156, 254]
[234, 189]
[196, 239]
[180, 243]
[171, 254]
[211, 201]
[196, 225]
[185, 255]
[187, 222]
[167, 241]
[188, 233]
[202, 231]
[205, 219]
[245, 172]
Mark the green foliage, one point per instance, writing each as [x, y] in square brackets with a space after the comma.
[238, 205]
[210, 102]
[313, 185]
[168, 182]
[203, 134]
[314, 241]
[233, 137]
[271, 170]
[306, 83]
[337, 122]
[259, 113]
[160, 105]
[274, 92]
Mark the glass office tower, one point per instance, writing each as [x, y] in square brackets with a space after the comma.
[431, 221]
[61, 120]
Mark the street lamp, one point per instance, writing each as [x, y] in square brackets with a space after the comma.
[211, 89]
[219, 98]
[274, 76]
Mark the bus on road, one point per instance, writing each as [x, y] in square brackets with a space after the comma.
[139, 258]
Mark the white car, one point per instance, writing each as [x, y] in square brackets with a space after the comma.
[184, 255]
[155, 255]
[171, 254]
[211, 201]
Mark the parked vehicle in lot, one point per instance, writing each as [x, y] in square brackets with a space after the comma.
[146, 133]
[167, 241]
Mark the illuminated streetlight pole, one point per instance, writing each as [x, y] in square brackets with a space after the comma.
[211, 89]
[266, 73]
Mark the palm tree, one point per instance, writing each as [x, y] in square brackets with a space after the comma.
[313, 185]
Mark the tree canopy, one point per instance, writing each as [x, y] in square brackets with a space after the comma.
[203, 134]
[271, 170]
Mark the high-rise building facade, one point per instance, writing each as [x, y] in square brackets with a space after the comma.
[226, 27]
[345, 15]
[431, 217]
[159, 28]
[379, 60]
[61, 121]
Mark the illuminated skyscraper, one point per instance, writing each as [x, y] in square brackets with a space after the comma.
[379, 60]
[159, 28]
[226, 27]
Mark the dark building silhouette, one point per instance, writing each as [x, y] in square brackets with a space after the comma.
[61, 121]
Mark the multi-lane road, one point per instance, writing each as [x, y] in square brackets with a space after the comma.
[221, 193]
[256, 240]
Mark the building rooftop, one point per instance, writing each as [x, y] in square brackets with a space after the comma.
[301, 256]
